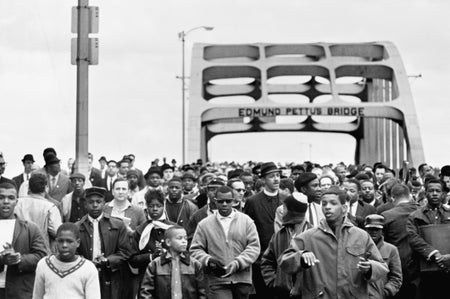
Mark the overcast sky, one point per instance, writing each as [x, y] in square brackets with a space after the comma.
[135, 98]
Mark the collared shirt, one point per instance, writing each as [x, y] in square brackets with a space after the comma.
[314, 214]
[26, 177]
[353, 208]
[116, 211]
[96, 239]
[110, 181]
[53, 180]
[225, 221]
[176, 290]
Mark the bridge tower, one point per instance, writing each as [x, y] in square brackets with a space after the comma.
[377, 109]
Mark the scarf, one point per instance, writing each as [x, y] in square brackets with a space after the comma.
[145, 236]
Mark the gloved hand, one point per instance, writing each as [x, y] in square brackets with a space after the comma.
[216, 267]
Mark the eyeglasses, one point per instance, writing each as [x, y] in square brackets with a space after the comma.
[240, 190]
[222, 201]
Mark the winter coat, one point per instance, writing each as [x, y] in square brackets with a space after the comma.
[115, 247]
[29, 241]
[388, 287]
[336, 275]
[157, 280]
[270, 269]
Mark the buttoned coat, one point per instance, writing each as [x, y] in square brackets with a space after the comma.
[115, 247]
[420, 217]
[262, 212]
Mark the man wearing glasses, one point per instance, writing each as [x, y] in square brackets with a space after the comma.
[227, 244]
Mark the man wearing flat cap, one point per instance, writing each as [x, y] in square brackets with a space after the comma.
[73, 204]
[104, 240]
[390, 285]
[27, 162]
[261, 207]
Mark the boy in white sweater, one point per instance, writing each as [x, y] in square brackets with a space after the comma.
[66, 275]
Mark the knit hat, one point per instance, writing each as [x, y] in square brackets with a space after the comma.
[296, 206]
[132, 172]
[303, 179]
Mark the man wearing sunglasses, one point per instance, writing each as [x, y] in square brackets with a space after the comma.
[227, 244]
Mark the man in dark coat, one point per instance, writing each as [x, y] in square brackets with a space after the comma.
[261, 207]
[19, 258]
[433, 284]
[358, 209]
[104, 240]
[395, 233]
[27, 162]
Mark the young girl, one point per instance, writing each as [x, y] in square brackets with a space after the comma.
[148, 239]
[66, 275]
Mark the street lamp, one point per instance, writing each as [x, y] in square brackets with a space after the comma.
[182, 35]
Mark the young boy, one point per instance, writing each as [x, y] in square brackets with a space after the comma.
[174, 274]
[66, 275]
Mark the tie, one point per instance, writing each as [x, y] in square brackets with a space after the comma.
[96, 243]
[53, 183]
[28, 176]
[110, 183]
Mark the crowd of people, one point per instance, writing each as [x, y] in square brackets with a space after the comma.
[223, 230]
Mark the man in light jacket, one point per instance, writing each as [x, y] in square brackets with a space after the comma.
[335, 259]
[227, 244]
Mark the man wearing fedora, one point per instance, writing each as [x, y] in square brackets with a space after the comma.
[390, 285]
[58, 183]
[293, 223]
[27, 162]
[261, 208]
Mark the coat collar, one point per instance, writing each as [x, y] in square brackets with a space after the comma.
[326, 228]
[105, 218]
[184, 258]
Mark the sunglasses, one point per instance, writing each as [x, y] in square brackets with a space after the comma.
[240, 190]
[221, 201]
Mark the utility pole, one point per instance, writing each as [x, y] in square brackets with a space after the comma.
[84, 53]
